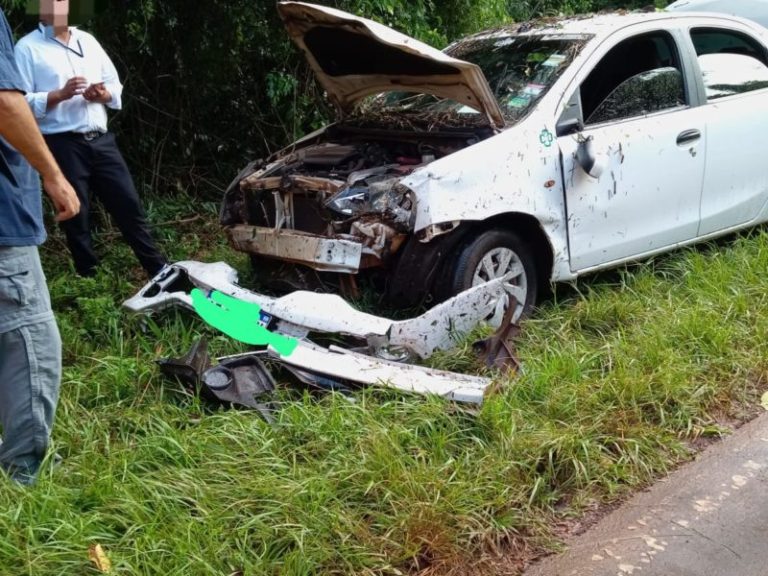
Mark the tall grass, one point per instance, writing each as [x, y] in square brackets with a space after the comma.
[618, 378]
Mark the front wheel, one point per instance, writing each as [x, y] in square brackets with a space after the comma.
[495, 253]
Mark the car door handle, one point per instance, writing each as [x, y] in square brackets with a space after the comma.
[688, 137]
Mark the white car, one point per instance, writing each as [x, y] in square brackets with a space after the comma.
[755, 10]
[538, 152]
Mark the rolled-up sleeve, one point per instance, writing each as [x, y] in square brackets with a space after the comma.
[38, 101]
[9, 74]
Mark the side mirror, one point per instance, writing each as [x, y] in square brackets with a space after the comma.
[568, 127]
[592, 164]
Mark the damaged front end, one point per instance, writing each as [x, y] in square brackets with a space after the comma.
[336, 204]
[334, 201]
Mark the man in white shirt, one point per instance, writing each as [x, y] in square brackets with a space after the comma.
[69, 80]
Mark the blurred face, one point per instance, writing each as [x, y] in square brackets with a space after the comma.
[55, 13]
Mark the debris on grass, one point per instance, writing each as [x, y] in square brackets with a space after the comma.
[284, 324]
[99, 559]
[498, 350]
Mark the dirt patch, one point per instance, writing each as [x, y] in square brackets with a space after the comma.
[508, 559]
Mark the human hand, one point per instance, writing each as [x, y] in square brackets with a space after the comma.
[73, 87]
[63, 196]
[97, 93]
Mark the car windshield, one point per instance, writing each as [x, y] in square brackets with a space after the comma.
[519, 70]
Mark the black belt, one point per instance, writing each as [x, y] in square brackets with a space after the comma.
[88, 136]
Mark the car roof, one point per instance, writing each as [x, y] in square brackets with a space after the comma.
[598, 25]
[755, 10]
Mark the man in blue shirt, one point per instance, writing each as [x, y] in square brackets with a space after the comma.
[30, 347]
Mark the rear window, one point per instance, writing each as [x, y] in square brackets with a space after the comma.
[731, 63]
[714, 41]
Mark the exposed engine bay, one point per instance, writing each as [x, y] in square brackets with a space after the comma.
[335, 203]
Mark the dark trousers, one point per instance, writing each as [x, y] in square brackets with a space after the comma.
[97, 166]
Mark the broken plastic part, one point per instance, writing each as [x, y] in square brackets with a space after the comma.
[239, 380]
[341, 364]
[188, 369]
[498, 350]
[243, 379]
[298, 313]
[317, 381]
[243, 382]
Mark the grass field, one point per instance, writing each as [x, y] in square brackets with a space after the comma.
[621, 377]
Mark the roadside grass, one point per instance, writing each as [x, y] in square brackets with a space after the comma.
[620, 377]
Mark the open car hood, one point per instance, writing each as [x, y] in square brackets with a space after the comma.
[353, 57]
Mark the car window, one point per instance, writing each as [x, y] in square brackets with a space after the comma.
[519, 69]
[623, 70]
[644, 93]
[714, 41]
[730, 62]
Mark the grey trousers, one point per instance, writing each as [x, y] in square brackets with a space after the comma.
[30, 363]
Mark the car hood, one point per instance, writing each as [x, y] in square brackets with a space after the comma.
[353, 57]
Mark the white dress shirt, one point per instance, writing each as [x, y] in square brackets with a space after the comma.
[45, 64]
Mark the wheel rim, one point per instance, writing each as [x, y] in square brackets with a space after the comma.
[497, 263]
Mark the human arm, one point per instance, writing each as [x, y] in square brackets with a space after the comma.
[41, 101]
[38, 101]
[18, 127]
[109, 91]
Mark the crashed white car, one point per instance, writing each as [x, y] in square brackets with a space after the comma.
[537, 152]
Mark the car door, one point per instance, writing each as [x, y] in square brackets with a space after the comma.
[734, 73]
[638, 126]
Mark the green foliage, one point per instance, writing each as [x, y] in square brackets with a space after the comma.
[618, 377]
[212, 85]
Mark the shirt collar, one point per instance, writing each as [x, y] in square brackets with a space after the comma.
[72, 29]
[73, 36]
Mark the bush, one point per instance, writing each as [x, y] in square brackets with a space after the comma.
[211, 85]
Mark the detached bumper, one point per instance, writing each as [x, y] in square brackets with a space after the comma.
[343, 364]
[301, 312]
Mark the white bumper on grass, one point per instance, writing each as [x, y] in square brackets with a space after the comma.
[301, 312]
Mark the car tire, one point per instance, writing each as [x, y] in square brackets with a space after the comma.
[488, 255]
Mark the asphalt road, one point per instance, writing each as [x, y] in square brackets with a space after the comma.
[709, 518]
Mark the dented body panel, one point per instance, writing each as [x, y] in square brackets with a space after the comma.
[331, 254]
[372, 185]
[525, 179]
